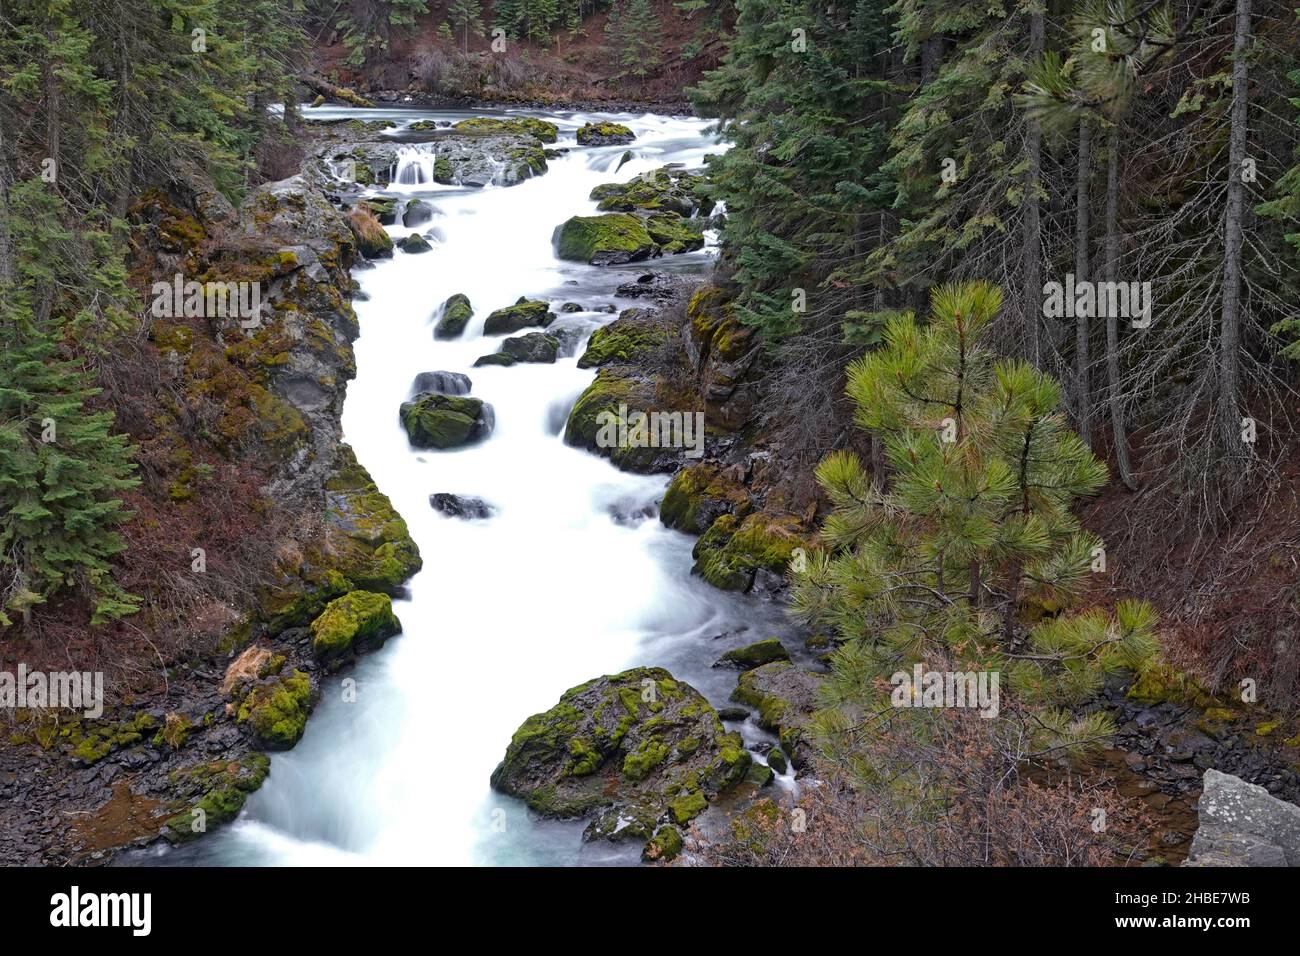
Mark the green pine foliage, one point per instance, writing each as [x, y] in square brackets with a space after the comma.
[465, 17]
[634, 33]
[970, 558]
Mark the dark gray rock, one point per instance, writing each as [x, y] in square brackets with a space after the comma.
[1242, 825]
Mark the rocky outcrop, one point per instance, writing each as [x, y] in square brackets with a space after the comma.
[1243, 825]
[639, 750]
[525, 313]
[669, 189]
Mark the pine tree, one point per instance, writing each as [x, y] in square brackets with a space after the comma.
[966, 561]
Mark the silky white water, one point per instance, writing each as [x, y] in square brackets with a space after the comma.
[557, 587]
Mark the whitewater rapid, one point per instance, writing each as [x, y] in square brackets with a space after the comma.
[568, 580]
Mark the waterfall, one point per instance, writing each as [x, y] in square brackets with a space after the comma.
[414, 166]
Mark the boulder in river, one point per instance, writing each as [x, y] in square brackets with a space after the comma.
[1242, 824]
[669, 189]
[611, 239]
[444, 383]
[540, 129]
[604, 134]
[460, 506]
[446, 421]
[414, 244]
[754, 655]
[631, 338]
[785, 697]
[453, 316]
[525, 313]
[700, 494]
[533, 347]
[639, 748]
[417, 213]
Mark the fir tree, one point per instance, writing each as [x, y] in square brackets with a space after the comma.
[466, 16]
[634, 33]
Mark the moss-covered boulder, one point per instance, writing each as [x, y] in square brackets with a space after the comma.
[416, 213]
[611, 239]
[673, 233]
[616, 392]
[372, 240]
[637, 745]
[276, 711]
[734, 550]
[414, 244]
[754, 655]
[669, 189]
[604, 134]
[785, 697]
[635, 335]
[525, 125]
[525, 313]
[358, 621]
[700, 494]
[535, 347]
[212, 793]
[453, 316]
[446, 421]
[724, 354]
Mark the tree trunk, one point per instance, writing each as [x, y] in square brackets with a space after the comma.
[1033, 272]
[1229, 410]
[1083, 391]
[1115, 386]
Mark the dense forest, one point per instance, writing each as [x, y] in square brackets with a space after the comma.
[1021, 282]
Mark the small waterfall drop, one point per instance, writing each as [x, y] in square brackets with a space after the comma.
[414, 166]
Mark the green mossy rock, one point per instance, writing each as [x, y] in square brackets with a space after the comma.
[277, 711]
[613, 388]
[604, 134]
[453, 316]
[733, 550]
[776, 760]
[633, 336]
[368, 543]
[754, 655]
[647, 747]
[667, 189]
[611, 239]
[445, 421]
[699, 495]
[357, 621]
[674, 233]
[525, 125]
[496, 358]
[526, 313]
[414, 244]
[664, 846]
[537, 347]
[218, 788]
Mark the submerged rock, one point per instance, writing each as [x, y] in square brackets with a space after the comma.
[640, 746]
[1241, 824]
[446, 421]
[460, 506]
[453, 316]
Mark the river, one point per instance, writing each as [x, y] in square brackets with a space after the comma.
[572, 577]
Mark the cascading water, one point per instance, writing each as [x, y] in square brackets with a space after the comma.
[566, 581]
[414, 166]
